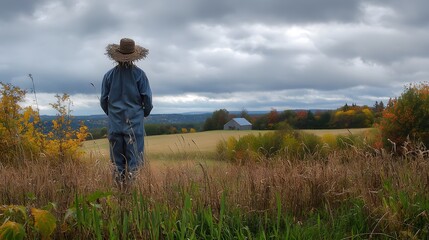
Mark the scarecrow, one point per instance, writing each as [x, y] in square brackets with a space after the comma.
[126, 98]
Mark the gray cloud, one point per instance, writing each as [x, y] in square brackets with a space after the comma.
[358, 51]
[411, 14]
[10, 9]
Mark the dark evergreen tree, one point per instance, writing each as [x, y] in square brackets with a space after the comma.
[217, 120]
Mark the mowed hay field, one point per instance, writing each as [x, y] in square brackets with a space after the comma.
[200, 142]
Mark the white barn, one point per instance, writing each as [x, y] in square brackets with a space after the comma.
[238, 124]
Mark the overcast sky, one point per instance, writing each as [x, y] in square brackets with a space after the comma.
[207, 55]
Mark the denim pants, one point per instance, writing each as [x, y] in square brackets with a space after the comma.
[126, 151]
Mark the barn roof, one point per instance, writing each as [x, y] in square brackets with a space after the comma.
[242, 121]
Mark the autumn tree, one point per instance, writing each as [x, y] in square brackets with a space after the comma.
[352, 117]
[273, 118]
[301, 119]
[407, 116]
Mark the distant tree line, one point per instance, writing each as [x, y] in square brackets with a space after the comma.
[153, 129]
[347, 116]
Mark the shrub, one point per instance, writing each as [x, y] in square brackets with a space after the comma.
[21, 133]
[311, 142]
[19, 136]
[330, 140]
[291, 145]
[63, 142]
[249, 147]
[225, 149]
[407, 116]
[284, 142]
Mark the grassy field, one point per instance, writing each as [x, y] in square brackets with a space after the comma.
[347, 193]
[200, 142]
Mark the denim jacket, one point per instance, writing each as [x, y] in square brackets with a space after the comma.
[126, 98]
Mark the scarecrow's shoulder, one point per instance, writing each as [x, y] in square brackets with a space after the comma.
[110, 72]
[138, 72]
[137, 69]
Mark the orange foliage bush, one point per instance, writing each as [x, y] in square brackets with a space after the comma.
[407, 116]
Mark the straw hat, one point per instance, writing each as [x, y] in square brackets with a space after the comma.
[126, 51]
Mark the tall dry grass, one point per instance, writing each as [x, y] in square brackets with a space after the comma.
[387, 185]
[39, 182]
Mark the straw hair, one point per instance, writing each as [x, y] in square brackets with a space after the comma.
[126, 51]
